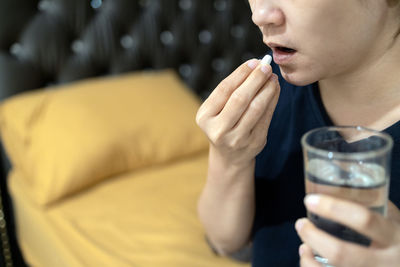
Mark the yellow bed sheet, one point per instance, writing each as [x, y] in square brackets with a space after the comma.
[143, 218]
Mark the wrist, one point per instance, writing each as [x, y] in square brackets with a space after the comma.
[228, 166]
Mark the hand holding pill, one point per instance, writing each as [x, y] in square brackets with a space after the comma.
[237, 114]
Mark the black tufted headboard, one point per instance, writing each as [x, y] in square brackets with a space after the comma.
[57, 41]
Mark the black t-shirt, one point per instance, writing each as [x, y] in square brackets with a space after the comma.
[279, 174]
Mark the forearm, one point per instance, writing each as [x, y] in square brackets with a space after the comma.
[226, 205]
[235, 118]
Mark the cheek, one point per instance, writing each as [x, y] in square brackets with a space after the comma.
[322, 54]
[318, 24]
[318, 64]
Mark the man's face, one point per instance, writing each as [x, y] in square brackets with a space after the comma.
[314, 40]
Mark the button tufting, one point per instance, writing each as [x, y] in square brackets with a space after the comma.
[77, 46]
[205, 37]
[220, 5]
[126, 41]
[185, 4]
[45, 5]
[95, 4]
[218, 64]
[166, 37]
[144, 3]
[16, 49]
[185, 70]
[237, 31]
[200, 39]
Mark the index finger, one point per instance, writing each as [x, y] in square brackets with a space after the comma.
[353, 215]
[307, 257]
[218, 98]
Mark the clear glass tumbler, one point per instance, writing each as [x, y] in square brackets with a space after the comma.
[348, 162]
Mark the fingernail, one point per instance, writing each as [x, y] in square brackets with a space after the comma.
[266, 61]
[253, 63]
[312, 200]
[264, 68]
[299, 224]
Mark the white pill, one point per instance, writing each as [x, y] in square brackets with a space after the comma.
[267, 59]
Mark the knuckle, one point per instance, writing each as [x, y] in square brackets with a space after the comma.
[239, 141]
[234, 143]
[224, 86]
[366, 219]
[243, 71]
[199, 117]
[257, 105]
[202, 118]
[217, 137]
[257, 147]
[262, 142]
[259, 138]
[239, 99]
[231, 144]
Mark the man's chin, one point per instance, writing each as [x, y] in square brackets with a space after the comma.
[296, 77]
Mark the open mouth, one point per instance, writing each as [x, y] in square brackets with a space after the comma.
[282, 54]
[285, 49]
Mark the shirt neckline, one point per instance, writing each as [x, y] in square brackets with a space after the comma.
[323, 118]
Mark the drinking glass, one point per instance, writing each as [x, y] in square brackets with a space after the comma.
[347, 162]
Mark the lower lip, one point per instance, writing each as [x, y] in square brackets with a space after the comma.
[281, 57]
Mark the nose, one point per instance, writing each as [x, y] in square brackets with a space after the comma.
[266, 14]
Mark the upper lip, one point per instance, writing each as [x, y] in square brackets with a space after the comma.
[276, 45]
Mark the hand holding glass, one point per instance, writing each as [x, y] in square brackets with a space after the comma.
[351, 163]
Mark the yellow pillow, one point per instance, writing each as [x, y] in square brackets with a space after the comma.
[67, 139]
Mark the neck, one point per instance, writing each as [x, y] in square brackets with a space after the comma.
[369, 95]
[377, 77]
